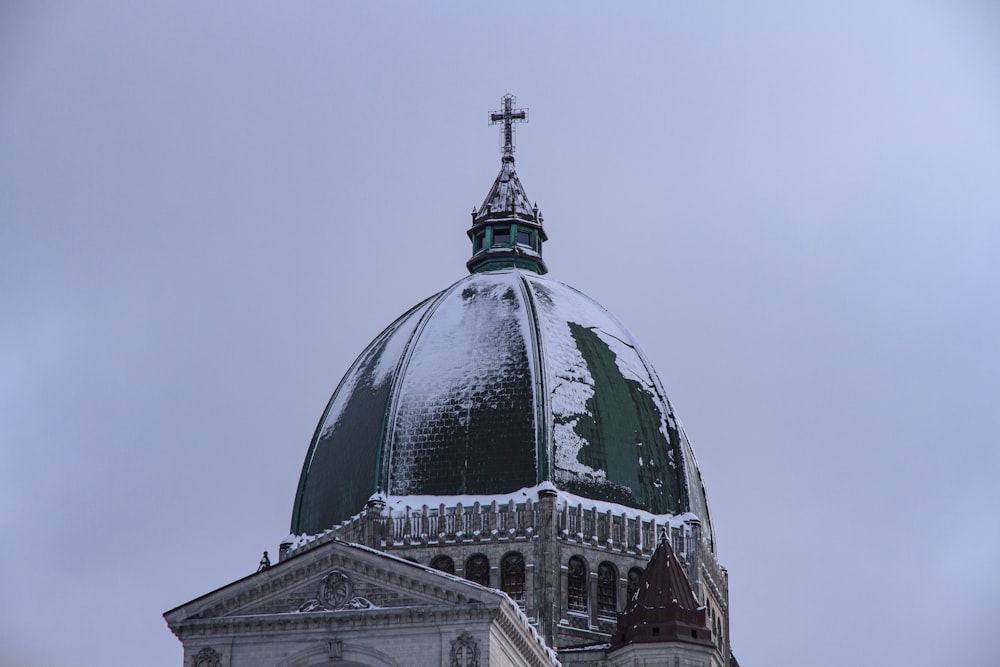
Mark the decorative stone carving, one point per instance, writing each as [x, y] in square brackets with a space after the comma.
[465, 651]
[207, 657]
[336, 591]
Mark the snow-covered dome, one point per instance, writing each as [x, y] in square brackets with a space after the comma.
[504, 381]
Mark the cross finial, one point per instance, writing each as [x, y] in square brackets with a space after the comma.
[508, 116]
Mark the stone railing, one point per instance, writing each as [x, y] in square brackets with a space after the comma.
[386, 528]
[475, 523]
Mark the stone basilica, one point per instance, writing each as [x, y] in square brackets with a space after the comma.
[498, 480]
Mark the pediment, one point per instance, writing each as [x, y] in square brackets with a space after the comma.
[337, 578]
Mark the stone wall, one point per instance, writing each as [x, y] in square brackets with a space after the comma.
[546, 533]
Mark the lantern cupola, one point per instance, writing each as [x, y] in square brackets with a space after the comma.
[507, 229]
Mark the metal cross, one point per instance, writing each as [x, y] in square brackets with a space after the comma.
[508, 116]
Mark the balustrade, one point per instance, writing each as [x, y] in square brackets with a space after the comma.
[511, 521]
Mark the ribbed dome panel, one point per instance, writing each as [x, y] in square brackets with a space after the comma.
[502, 381]
[464, 418]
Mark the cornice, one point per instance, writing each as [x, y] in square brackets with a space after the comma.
[344, 620]
[383, 569]
[532, 651]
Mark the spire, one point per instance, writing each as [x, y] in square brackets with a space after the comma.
[506, 228]
[664, 607]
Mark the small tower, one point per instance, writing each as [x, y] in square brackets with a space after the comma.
[507, 229]
[663, 621]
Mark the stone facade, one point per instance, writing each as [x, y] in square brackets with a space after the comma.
[546, 534]
[347, 605]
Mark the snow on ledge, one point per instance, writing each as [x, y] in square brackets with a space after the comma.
[396, 506]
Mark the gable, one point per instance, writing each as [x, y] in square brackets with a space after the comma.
[335, 577]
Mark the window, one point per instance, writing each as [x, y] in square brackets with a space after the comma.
[444, 563]
[576, 586]
[477, 569]
[607, 589]
[524, 238]
[501, 236]
[512, 576]
[479, 242]
[634, 575]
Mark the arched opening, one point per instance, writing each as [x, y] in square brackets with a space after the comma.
[512, 576]
[477, 569]
[576, 585]
[607, 590]
[444, 563]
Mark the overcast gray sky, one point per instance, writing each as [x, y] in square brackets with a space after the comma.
[208, 209]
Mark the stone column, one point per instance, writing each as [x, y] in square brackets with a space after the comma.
[371, 526]
[547, 573]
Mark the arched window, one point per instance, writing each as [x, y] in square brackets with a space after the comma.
[633, 581]
[576, 585]
[444, 563]
[477, 569]
[607, 589]
[512, 576]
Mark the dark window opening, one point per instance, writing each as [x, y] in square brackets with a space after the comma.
[524, 238]
[477, 569]
[501, 236]
[512, 576]
[480, 241]
[444, 564]
[576, 585]
[633, 581]
[656, 629]
[607, 589]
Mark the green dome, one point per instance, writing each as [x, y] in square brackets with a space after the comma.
[505, 380]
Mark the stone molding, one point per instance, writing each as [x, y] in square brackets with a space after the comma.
[335, 651]
[709, 581]
[421, 582]
[346, 620]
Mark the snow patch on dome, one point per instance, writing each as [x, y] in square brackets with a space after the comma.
[395, 347]
[463, 359]
[572, 385]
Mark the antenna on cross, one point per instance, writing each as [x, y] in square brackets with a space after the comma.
[508, 115]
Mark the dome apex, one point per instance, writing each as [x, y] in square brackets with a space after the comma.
[506, 229]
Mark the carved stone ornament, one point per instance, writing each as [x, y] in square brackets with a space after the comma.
[464, 651]
[207, 657]
[336, 591]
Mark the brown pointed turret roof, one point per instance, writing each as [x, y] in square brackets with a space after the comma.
[664, 607]
[663, 583]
